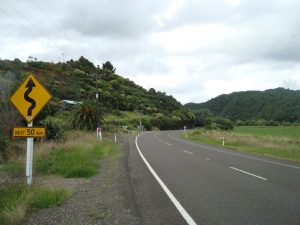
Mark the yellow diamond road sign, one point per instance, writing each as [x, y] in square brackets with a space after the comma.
[30, 98]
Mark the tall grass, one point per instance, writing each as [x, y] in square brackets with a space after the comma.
[79, 161]
[17, 199]
[267, 142]
[76, 158]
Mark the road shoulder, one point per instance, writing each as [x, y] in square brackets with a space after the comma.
[106, 198]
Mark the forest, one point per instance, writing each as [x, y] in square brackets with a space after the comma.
[271, 107]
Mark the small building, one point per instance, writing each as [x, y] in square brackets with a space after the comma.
[67, 104]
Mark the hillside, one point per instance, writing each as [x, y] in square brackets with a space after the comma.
[76, 80]
[275, 104]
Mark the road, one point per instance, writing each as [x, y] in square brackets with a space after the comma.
[212, 185]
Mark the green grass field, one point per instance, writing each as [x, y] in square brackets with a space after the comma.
[291, 132]
[279, 142]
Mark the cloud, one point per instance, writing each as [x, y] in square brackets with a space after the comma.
[191, 49]
[115, 19]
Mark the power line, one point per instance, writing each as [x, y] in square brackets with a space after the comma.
[16, 21]
[57, 26]
[50, 40]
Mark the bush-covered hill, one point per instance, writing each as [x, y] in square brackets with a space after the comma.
[76, 80]
[275, 104]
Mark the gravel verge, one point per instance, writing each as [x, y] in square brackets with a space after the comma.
[106, 198]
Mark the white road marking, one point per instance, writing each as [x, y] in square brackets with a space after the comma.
[168, 143]
[179, 207]
[236, 154]
[251, 174]
[188, 152]
[207, 158]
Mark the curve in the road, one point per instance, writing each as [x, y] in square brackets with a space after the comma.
[176, 203]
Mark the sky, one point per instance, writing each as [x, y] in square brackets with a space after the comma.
[194, 50]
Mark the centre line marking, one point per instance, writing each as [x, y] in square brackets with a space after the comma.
[168, 143]
[251, 174]
[188, 152]
[207, 158]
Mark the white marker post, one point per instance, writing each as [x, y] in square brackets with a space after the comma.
[223, 141]
[115, 137]
[184, 128]
[100, 133]
[29, 158]
[97, 133]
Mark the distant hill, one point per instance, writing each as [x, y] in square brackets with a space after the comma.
[275, 104]
[76, 80]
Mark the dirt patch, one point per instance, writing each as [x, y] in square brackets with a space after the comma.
[71, 184]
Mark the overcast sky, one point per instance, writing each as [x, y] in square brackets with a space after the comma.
[192, 49]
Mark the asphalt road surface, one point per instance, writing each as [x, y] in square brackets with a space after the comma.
[212, 185]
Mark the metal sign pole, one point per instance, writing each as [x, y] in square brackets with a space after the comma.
[29, 158]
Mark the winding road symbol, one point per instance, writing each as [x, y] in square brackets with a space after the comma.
[30, 98]
[30, 85]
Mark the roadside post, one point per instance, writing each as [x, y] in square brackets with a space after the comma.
[98, 131]
[29, 99]
[223, 141]
[184, 129]
[115, 137]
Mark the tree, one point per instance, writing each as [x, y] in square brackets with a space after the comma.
[84, 65]
[108, 65]
[201, 116]
[84, 116]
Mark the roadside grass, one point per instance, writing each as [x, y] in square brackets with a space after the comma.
[282, 143]
[75, 161]
[14, 168]
[77, 156]
[18, 199]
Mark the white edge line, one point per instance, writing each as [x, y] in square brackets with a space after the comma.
[251, 174]
[231, 153]
[168, 143]
[188, 152]
[179, 207]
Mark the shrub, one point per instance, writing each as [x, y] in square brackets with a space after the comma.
[219, 123]
[224, 124]
[54, 130]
